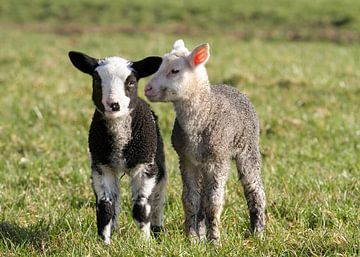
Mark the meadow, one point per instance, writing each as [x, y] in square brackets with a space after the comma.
[298, 62]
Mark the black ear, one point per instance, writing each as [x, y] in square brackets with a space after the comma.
[83, 62]
[147, 66]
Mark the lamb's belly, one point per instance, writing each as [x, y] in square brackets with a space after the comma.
[118, 162]
[119, 166]
[195, 154]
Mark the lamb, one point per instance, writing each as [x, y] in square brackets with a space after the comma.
[124, 138]
[213, 125]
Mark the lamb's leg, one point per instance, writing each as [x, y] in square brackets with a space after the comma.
[201, 220]
[190, 198]
[215, 177]
[249, 169]
[105, 186]
[142, 184]
[157, 200]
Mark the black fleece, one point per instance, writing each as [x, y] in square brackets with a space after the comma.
[145, 142]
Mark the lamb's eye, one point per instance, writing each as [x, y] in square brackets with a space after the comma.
[174, 71]
[131, 83]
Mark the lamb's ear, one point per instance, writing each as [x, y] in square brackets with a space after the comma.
[199, 55]
[147, 66]
[83, 62]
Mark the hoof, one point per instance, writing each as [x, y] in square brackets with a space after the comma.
[194, 239]
[216, 242]
[156, 230]
[259, 234]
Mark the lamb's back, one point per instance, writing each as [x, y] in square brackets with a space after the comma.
[234, 113]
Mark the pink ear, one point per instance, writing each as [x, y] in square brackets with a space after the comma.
[199, 55]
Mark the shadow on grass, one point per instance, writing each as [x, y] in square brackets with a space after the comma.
[14, 236]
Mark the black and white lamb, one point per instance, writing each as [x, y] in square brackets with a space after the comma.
[124, 138]
[214, 124]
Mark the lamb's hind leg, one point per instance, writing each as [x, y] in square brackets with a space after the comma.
[142, 183]
[105, 186]
[249, 169]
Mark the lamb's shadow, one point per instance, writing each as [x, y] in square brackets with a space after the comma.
[13, 235]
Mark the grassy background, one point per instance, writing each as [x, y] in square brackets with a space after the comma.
[298, 61]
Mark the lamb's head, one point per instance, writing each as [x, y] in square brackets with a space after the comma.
[180, 75]
[114, 80]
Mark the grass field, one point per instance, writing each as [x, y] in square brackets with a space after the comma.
[306, 90]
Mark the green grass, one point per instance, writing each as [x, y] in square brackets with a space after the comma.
[283, 19]
[306, 94]
[201, 12]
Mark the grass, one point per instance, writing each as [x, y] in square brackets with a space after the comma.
[285, 19]
[306, 94]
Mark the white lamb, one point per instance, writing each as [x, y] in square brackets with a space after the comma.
[214, 125]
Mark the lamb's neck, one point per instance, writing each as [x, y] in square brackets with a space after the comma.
[119, 122]
[119, 128]
[192, 112]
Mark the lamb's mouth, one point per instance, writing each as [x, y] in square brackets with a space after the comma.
[112, 114]
[156, 96]
[152, 98]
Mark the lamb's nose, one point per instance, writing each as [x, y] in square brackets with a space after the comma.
[148, 88]
[115, 107]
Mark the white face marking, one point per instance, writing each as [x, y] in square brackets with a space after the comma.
[113, 72]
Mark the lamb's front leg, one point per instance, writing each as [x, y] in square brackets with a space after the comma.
[105, 186]
[142, 183]
[157, 200]
[215, 176]
[190, 198]
[201, 218]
